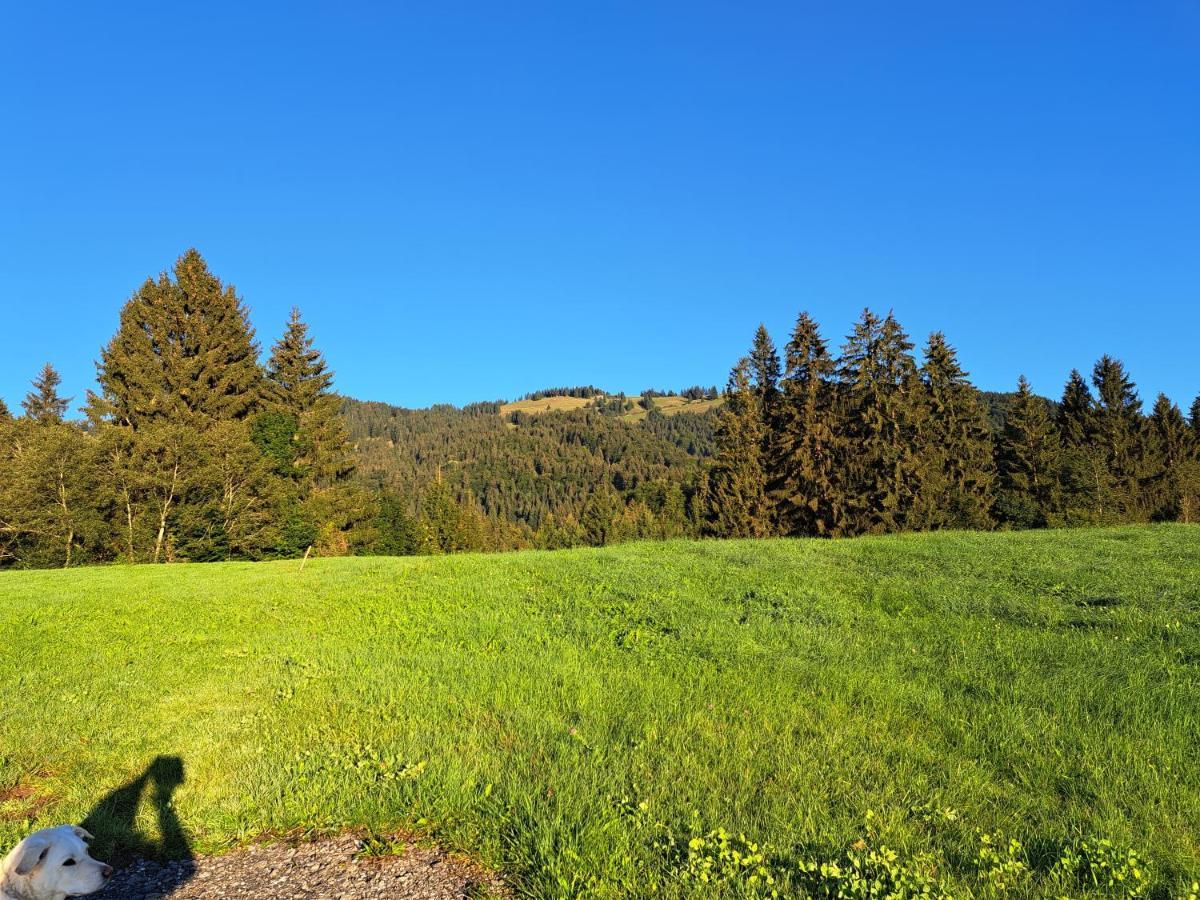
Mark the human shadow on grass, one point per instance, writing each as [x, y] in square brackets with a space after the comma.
[119, 841]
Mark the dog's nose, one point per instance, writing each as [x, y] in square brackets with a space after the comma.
[106, 871]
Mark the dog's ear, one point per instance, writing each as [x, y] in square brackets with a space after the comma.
[82, 833]
[33, 852]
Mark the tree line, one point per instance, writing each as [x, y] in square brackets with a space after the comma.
[193, 448]
[871, 441]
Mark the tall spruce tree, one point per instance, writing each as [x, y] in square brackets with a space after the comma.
[1082, 469]
[1118, 437]
[883, 411]
[956, 449]
[1028, 459]
[806, 487]
[300, 386]
[1175, 478]
[184, 352]
[1194, 416]
[764, 371]
[43, 404]
[736, 493]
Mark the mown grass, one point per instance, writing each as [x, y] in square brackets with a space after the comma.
[572, 718]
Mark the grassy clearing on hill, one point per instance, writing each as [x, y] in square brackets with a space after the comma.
[668, 406]
[584, 720]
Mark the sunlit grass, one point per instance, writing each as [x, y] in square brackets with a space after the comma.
[562, 715]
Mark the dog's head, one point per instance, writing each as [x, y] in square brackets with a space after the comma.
[52, 863]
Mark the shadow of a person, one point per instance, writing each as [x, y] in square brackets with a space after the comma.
[118, 840]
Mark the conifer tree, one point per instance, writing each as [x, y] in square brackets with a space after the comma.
[43, 404]
[1117, 435]
[883, 411]
[806, 489]
[764, 370]
[184, 352]
[1028, 462]
[1175, 483]
[1194, 416]
[300, 386]
[1081, 467]
[5, 415]
[956, 447]
[736, 490]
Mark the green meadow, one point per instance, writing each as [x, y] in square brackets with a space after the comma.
[958, 713]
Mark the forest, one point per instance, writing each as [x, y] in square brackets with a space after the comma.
[194, 448]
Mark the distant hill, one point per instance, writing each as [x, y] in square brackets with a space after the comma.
[524, 462]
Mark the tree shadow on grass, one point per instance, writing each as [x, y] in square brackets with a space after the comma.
[118, 840]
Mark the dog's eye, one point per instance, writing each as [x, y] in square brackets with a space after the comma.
[68, 862]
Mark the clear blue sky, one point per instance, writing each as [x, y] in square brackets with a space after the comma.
[473, 200]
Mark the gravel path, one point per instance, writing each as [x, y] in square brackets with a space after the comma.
[328, 868]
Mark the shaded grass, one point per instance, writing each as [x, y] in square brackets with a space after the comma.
[555, 713]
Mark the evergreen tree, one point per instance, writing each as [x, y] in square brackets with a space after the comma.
[736, 495]
[43, 404]
[1194, 416]
[300, 386]
[882, 415]
[1117, 435]
[806, 485]
[184, 352]
[5, 415]
[1028, 461]
[1175, 483]
[957, 470]
[1082, 469]
[764, 370]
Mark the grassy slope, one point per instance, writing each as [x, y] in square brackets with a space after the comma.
[1043, 683]
[668, 406]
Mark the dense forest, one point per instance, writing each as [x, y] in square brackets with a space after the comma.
[193, 448]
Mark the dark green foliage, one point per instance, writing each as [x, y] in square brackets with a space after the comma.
[957, 472]
[397, 533]
[5, 415]
[1174, 450]
[736, 480]
[765, 372]
[804, 484]
[882, 409]
[273, 433]
[43, 404]
[1117, 437]
[1028, 458]
[192, 451]
[184, 352]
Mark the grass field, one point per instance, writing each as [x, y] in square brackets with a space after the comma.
[668, 406]
[898, 709]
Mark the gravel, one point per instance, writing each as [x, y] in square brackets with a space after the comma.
[330, 868]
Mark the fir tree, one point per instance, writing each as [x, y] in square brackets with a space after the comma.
[1081, 467]
[1028, 461]
[764, 370]
[957, 467]
[1117, 436]
[5, 415]
[806, 490]
[184, 352]
[882, 414]
[1175, 484]
[1194, 416]
[736, 489]
[43, 404]
[300, 386]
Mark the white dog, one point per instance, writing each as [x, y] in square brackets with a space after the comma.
[51, 864]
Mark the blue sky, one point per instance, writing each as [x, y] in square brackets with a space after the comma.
[473, 200]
